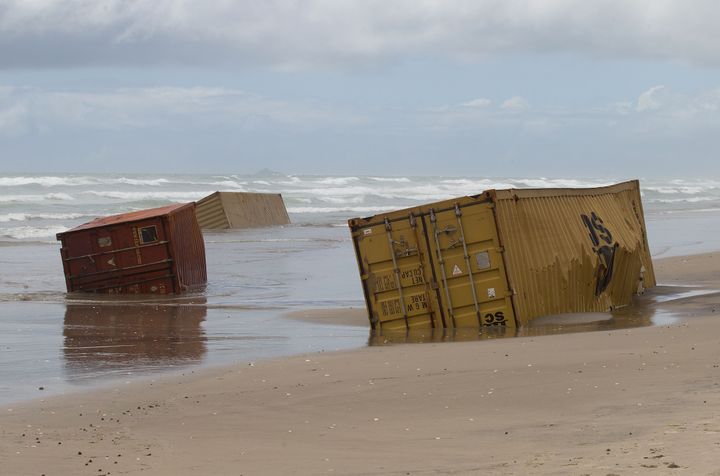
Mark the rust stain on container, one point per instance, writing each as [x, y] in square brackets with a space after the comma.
[503, 257]
[155, 251]
[222, 210]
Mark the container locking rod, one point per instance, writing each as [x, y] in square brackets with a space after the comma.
[441, 261]
[396, 269]
[458, 214]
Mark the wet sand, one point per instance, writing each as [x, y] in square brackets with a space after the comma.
[351, 316]
[642, 400]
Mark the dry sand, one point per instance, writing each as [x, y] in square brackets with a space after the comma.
[631, 401]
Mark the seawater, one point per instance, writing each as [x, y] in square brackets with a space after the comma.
[63, 343]
[36, 207]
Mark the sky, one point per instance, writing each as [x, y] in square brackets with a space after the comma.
[552, 88]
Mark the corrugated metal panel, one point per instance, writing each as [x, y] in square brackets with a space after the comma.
[433, 266]
[188, 249]
[503, 257]
[210, 212]
[129, 217]
[241, 210]
[135, 253]
[573, 250]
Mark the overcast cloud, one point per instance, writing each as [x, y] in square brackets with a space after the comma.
[337, 86]
[345, 33]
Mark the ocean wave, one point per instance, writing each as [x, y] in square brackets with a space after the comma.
[139, 196]
[289, 180]
[337, 180]
[682, 200]
[36, 198]
[228, 183]
[687, 190]
[74, 195]
[32, 233]
[289, 199]
[300, 210]
[8, 217]
[416, 192]
[477, 185]
[355, 199]
[390, 179]
[46, 181]
[560, 183]
[130, 181]
[53, 181]
[685, 211]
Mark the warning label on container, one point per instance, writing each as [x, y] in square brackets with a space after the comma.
[457, 271]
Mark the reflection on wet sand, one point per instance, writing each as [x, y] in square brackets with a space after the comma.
[106, 339]
[652, 308]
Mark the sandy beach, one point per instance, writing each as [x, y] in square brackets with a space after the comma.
[629, 401]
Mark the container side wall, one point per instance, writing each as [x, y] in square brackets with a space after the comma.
[188, 248]
[573, 251]
[241, 210]
[250, 210]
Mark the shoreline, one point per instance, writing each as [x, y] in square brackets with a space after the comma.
[637, 400]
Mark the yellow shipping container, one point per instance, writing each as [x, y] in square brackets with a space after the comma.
[503, 257]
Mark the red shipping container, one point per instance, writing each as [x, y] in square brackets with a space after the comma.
[155, 251]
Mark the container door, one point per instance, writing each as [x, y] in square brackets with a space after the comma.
[393, 261]
[468, 262]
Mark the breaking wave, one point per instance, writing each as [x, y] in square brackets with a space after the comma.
[140, 196]
[8, 217]
[53, 181]
[44, 204]
[47, 197]
[32, 233]
[338, 209]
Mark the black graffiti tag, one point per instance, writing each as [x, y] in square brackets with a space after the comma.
[602, 241]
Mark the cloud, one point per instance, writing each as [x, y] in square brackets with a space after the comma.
[13, 119]
[478, 103]
[650, 99]
[346, 33]
[25, 109]
[206, 111]
[657, 113]
[662, 104]
[515, 104]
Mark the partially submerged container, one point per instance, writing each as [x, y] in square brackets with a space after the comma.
[222, 210]
[155, 251]
[503, 257]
